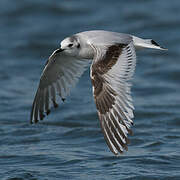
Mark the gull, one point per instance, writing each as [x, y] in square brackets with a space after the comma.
[113, 63]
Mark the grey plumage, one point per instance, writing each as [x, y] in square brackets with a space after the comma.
[112, 68]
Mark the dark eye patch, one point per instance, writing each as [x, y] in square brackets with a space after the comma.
[78, 46]
[70, 45]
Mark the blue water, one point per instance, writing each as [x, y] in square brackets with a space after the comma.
[69, 144]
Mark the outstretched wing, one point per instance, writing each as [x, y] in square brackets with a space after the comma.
[111, 72]
[59, 75]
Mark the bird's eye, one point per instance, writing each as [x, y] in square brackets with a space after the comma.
[70, 45]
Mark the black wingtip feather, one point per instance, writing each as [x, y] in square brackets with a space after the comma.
[42, 116]
[48, 112]
[55, 104]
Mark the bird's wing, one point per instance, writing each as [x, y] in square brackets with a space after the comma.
[111, 74]
[59, 75]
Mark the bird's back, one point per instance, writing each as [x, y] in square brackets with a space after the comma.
[100, 37]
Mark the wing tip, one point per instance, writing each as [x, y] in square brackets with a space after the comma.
[42, 116]
[48, 112]
[63, 99]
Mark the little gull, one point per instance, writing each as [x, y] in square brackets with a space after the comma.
[113, 64]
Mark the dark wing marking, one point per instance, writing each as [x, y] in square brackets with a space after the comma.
[111, 73]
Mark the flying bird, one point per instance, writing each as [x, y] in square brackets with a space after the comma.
[113, 63]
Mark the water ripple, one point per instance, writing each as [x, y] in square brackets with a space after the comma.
[69, 144]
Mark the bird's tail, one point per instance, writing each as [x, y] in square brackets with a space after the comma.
[146, 43]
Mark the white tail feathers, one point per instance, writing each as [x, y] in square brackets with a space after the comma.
[146, 43]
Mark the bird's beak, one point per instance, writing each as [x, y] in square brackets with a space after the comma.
[59, 50]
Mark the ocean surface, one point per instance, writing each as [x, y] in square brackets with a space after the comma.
[69, 144]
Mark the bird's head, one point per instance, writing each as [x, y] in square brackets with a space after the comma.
[70, 46]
